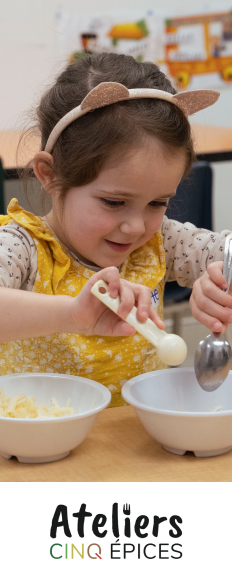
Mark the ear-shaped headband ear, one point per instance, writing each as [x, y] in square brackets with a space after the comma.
[107, 93]
[104, 94]
[192, 101]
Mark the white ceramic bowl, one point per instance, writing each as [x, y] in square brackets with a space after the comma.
[176, 412]
[41, 440]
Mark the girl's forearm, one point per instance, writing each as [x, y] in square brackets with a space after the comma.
[24, 314]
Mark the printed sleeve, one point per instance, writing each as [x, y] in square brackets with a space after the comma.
[18, 258]
[189, 250]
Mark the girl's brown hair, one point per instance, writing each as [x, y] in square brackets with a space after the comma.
[85, 145]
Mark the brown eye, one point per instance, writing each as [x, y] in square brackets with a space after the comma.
[112, 203]
[158, 204]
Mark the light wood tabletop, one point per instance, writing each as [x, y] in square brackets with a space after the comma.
[118, 449]
[207, 139]
[211, 139]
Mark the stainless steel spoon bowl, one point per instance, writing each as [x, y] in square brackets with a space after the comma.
[213, 355]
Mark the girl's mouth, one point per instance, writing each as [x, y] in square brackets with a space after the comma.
[117, 246]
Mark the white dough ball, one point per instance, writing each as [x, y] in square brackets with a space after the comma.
[172, 349]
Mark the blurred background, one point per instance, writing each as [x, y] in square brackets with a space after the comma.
[192, 45]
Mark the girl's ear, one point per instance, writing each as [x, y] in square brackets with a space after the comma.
[42, 167]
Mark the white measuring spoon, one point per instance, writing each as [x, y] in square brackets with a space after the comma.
[170, 348]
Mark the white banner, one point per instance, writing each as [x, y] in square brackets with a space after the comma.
[136, 531]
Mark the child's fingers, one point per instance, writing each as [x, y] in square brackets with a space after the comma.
[129, 294]
[213, 323]
[144, 309]
[123, 328]
[212, 308]
[153, 315]
[208, 321]
[213, 292]
[214, 271]
[111, 276]
[127, 300]
[143, 296]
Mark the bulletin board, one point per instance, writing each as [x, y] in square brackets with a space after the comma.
[194, 50]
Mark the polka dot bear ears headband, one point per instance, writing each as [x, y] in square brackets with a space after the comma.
[106, 93]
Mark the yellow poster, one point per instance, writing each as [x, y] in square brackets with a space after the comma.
[199, 45]
[195, 49]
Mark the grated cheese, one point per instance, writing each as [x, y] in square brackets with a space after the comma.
[21, 406]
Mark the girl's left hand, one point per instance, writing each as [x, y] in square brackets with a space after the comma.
[210, 305]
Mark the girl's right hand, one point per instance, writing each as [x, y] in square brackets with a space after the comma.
[91, 316]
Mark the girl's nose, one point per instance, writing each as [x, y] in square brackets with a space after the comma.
[134, 226]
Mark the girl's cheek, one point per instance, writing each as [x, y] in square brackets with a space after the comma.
[107, 222]
[155, 224]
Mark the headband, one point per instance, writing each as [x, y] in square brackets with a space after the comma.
[106, 93]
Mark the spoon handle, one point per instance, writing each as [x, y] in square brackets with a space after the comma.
[227, 265]
[170, 348]
[148, 329]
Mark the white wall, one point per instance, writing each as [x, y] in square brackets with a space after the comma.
[29, 51]
[29, 60]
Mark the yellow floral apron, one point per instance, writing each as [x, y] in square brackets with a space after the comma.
[108, 360]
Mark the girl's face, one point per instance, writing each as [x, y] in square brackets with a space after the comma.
[104, 221]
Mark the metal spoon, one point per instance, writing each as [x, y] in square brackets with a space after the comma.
[213, 355]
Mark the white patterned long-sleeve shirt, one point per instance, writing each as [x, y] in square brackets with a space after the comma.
[188, 252]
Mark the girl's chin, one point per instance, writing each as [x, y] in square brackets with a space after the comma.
[110, 264]
[110, 258]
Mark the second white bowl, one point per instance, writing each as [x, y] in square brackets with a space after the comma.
[179, 414]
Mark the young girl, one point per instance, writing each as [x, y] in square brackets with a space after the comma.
[110, 174]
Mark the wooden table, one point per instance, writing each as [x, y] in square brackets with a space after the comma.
[118, 449]
[213, 143]
[13, 156]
